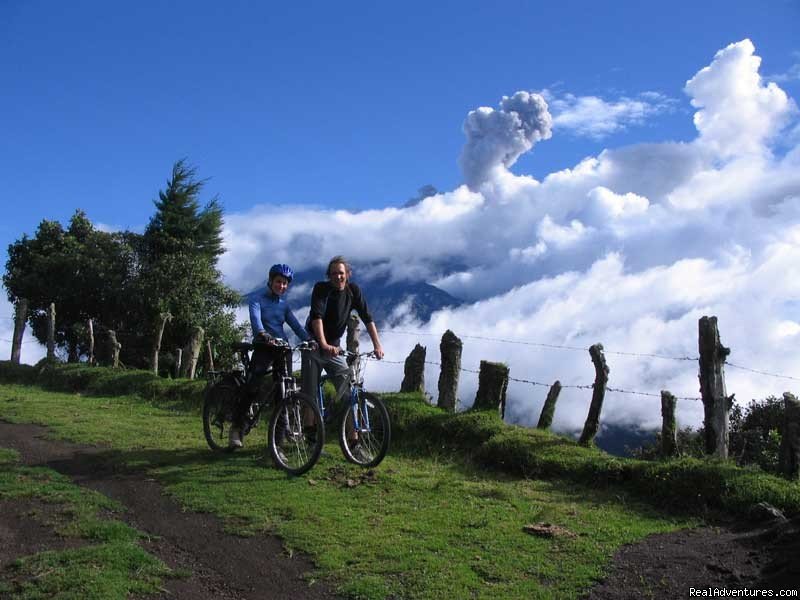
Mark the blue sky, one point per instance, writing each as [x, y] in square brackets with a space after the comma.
[352, 105]
[643, 169]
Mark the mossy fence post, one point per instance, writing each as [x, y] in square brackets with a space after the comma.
[669, 431]
[492, 386]
[450, 348]
[789, 458]
[712, 387]
[192, 352]
[549, 408]
[414, 371]
[51, 333]
[163, 318]
[601, 369]
[353, 325]
[20, 318]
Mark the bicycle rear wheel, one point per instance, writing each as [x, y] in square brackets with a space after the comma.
[219, 405]
[365, 431]
[296, 434]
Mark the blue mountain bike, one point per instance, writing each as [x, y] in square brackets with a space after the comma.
[364, 429]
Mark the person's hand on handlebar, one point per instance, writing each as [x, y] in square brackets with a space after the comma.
[378, 352]
[330, 350]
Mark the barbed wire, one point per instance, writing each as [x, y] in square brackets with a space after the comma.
[546, 345]
[589, 386]
[23, 342]
[762, 372]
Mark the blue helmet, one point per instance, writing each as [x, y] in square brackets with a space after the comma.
[281, 269]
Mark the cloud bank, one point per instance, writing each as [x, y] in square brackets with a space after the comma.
[629, 247]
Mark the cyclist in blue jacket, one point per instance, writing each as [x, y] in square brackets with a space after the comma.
[267, 316]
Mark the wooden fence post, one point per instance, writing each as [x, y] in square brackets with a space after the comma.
[209, 356]
[91, 342]
[450, 348]
[51, 333]
[414, 371]
[20, 318]
[492, 386]
[193, 352]
[178, 362]
[162, 323]
[789, 459]
[353, 325]
[598, 394]
[712, 387]
[112, 348]
[549, 408]
[669, 431]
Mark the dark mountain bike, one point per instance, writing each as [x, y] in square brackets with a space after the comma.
[364, 428]
[296, 431]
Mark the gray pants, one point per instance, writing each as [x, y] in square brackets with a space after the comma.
[314, 361]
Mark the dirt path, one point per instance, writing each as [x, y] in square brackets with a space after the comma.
[225, 566]
[221, 565]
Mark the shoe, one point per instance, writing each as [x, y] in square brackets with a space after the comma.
[360, 453]
[235, 438]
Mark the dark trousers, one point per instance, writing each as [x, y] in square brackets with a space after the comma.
[260, 363]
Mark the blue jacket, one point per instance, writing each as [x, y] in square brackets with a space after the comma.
[269, 313]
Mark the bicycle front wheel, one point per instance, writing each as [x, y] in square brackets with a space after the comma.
[365, 432]
[296, 434]
[219, 405]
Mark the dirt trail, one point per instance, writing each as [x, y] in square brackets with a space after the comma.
[220, 565]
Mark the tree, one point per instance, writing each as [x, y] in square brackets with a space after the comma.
[125, 280]
[178, 271]
[85, 272]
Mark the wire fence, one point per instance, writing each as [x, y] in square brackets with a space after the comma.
[530, 343]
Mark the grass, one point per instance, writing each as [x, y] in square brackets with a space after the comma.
[105, 561]
[432, 521]
[417, 527]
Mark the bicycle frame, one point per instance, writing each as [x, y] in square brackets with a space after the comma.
[356, 380]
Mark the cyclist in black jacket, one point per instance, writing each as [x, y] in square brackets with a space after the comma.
[331, 304]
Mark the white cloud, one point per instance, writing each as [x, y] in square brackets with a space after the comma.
[737, 113]
[597, 118]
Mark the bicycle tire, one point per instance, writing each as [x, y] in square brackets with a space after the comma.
[219, 403]
[368, 447]
[296, 434]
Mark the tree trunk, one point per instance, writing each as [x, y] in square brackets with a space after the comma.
[450, 348]
[159, 334]
[598, 395]
[51, 333]
[20, 318]
[789, 460]
[414, 371]
[549, 408]
[712, 387]
[492, 386]
[178, 362]
[669, 430]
